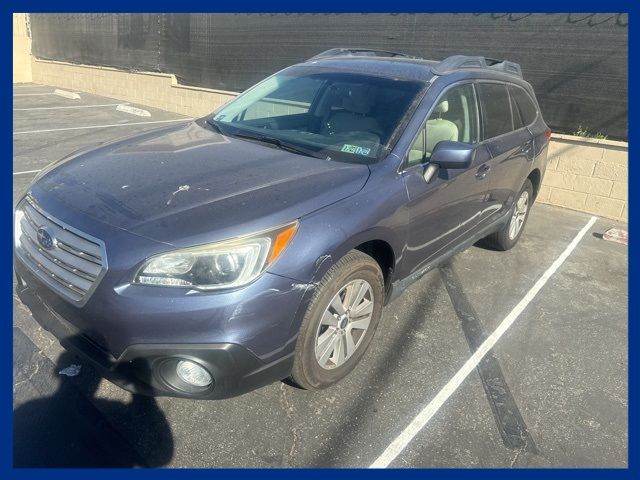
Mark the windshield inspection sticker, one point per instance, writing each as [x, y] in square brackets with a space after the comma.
[355, 149]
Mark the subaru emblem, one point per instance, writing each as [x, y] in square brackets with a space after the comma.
[45, 239]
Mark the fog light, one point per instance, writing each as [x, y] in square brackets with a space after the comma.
[193, 374]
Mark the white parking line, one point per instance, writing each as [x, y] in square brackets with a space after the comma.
[70, 106]
[26, 171]
[405, 437]
[102, 126]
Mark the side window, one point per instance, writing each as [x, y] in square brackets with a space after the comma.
[417, 152]
[524, 103]
[515, 113]
[496, 109]
[454, 118]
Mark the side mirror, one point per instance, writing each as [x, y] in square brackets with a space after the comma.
[448, 154]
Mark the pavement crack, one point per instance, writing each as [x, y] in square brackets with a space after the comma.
[288, 410]
[31, 374]
[509, 420]
[517, 455]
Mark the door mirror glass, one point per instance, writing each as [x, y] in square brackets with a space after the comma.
[458, 155]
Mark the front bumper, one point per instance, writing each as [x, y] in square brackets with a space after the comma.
[235, 369]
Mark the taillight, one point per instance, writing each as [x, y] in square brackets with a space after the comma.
[547, 134]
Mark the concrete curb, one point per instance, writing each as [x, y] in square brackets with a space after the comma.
[65, 94]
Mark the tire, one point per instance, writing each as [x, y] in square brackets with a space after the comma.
[317, 362]
[506, 238]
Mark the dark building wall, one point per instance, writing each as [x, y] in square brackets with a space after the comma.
[577, 63]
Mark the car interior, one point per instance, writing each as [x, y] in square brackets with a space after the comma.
[338, 113]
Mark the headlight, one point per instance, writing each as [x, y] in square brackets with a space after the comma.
[227, 264]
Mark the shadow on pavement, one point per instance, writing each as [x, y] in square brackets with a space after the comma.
[348, 434]
[68, 428]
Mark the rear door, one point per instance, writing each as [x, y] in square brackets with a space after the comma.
[509, 142]
[527, 107]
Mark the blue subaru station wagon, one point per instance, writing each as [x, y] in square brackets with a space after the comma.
[261, 242]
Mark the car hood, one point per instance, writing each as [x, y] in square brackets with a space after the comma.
[188, 184]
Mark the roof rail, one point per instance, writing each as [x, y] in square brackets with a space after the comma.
[359, 52]
[458, 62]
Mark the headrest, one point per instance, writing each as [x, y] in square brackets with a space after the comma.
[357, 101]
[442, 107]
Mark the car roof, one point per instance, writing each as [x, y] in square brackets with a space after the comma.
[396, 65]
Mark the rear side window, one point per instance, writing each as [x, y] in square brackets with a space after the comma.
[525, 106]
[496, 109]
[515, 114]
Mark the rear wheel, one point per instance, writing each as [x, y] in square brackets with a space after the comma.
[340, 321]
[510, 233]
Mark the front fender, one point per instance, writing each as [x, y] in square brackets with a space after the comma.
[326, 235]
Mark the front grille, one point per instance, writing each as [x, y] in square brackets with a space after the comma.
[72, 264]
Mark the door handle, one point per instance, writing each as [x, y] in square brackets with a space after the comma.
[483, 171]
[527, 147]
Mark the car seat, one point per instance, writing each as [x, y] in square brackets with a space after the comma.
[354, 116]
[439, 129]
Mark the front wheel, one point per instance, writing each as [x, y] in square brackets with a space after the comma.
[510, 233]
[340, 321]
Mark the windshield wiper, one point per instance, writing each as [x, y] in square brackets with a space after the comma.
[212, 123]
[278, 143]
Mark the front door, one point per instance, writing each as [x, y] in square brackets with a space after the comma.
[443, 211]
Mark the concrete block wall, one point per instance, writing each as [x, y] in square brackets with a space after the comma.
[590, 175]
[583, 174]
[157, 90]
[21, 49]
[274, 108]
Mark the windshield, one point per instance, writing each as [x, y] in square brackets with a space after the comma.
[336, 115]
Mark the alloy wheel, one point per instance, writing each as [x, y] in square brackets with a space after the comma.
[519, 215]
[344, 324]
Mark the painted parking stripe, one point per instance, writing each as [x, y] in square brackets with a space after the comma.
[405, 437]
[69, 106]
[26, 171]
[101, 126]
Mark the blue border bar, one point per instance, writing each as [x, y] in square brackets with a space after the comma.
[546, 6]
